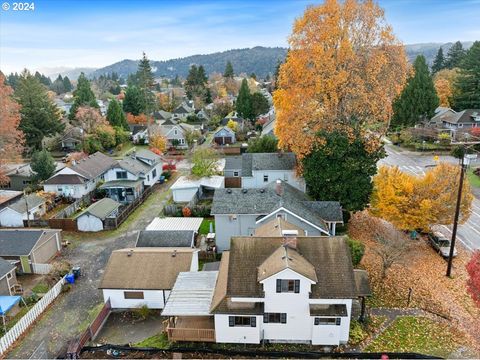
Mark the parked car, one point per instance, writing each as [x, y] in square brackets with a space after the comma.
[441, 243]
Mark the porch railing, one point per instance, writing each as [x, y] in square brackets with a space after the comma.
[202, 335]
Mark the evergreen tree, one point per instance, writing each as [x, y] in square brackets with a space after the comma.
[146, 83]
[341, 169]
[195, 83]
[455, 55]
[259, 104]
[12, 80]
[134, 102]
[439, 62]
[228, 70]
[43, 79]
[253, 76]
[83, 95]
[243, 104]
[67, 85]
[467, 94]
[208, 96]
[40, 116]
[43, 165]
[58, 85]
[115, 115]
[264, 144]
[418, 99]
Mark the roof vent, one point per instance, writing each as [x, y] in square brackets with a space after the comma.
[229, 191]
[244, 191]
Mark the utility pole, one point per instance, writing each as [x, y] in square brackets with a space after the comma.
[457, 214]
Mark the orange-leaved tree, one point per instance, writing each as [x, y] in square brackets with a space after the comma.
[158, 142]
[140, 119]
[418, 202]
[444, 85]
[89, 119]
[344, 65]
[11, 137]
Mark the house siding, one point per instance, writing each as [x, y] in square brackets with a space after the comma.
[153, 299]
[46, 249]
[183, 195]
[11, 218]
[6, 284]
[243, 335]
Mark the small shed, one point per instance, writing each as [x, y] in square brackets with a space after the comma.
[92, 218]
[26, 208]
[185, 188]
[224, 136]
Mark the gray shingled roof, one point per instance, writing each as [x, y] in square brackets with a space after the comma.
[149, 155]
[33, 201]
[5, 267]
[94, 165]
[261, 161]
[165, 238]
[134, 166]
[18, 242]
[330, 211]
[264, 201]
[65, 179]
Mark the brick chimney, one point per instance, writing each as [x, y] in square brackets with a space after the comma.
[279, 187]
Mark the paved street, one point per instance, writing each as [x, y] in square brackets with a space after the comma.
[417, 163]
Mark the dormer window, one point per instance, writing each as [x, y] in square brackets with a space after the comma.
[288, 286]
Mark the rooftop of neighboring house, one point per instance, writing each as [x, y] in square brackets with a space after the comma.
[29, 202]
[25, 170]
[162, 115]
[166, 238]
[146, 268]
[5, 267]
[74, 132]
[65, 179]
[278, 227]
[175, 223]
[135, 129]
[326, 261]
[274, 196]
[183, 109]
[8, 196]
[21, 242]
[453, 117]
[102, 208]
[261, 161]
[224, 128]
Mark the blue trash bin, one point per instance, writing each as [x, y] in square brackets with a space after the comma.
[70, 278]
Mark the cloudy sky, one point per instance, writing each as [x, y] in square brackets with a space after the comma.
[96, 33]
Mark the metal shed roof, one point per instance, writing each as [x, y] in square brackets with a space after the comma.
[175, 223]
[192, 294]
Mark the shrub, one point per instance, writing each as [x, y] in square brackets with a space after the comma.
[357, 333]
[167, 174]
[142, 312]
[357, 249]
[186, 212]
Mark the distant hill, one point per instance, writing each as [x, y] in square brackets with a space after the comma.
[259, 60]
[72, 73]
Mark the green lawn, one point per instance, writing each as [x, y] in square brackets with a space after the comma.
[40, 288]
[472, 178]
[416, 334]
[205, 226]
[159, 341]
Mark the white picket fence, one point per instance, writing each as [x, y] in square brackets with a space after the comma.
[41, 268]
[23, 324]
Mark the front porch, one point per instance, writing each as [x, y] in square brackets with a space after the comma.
[191, 328]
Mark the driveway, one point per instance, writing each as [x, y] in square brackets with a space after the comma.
[417, 163]
[67, 317]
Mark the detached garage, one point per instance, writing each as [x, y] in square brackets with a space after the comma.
[93, 217]
[224, 136]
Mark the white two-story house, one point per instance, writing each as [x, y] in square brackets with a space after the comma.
[81, 177]
[128, 178]
[239, 212]
[277, 289]
[253, 171]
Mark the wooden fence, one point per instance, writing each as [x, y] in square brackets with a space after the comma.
[75, 346]
[175, 210]
[41, 268]
[27, 320]
[71, 209]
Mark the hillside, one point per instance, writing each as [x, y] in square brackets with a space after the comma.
[259, 60]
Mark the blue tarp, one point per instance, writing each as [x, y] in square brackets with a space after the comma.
[7, 302]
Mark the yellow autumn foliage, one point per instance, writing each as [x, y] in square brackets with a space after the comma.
[418, 202]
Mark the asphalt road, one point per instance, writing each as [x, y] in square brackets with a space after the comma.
[417, 163]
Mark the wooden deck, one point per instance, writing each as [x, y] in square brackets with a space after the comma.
[192, 328]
